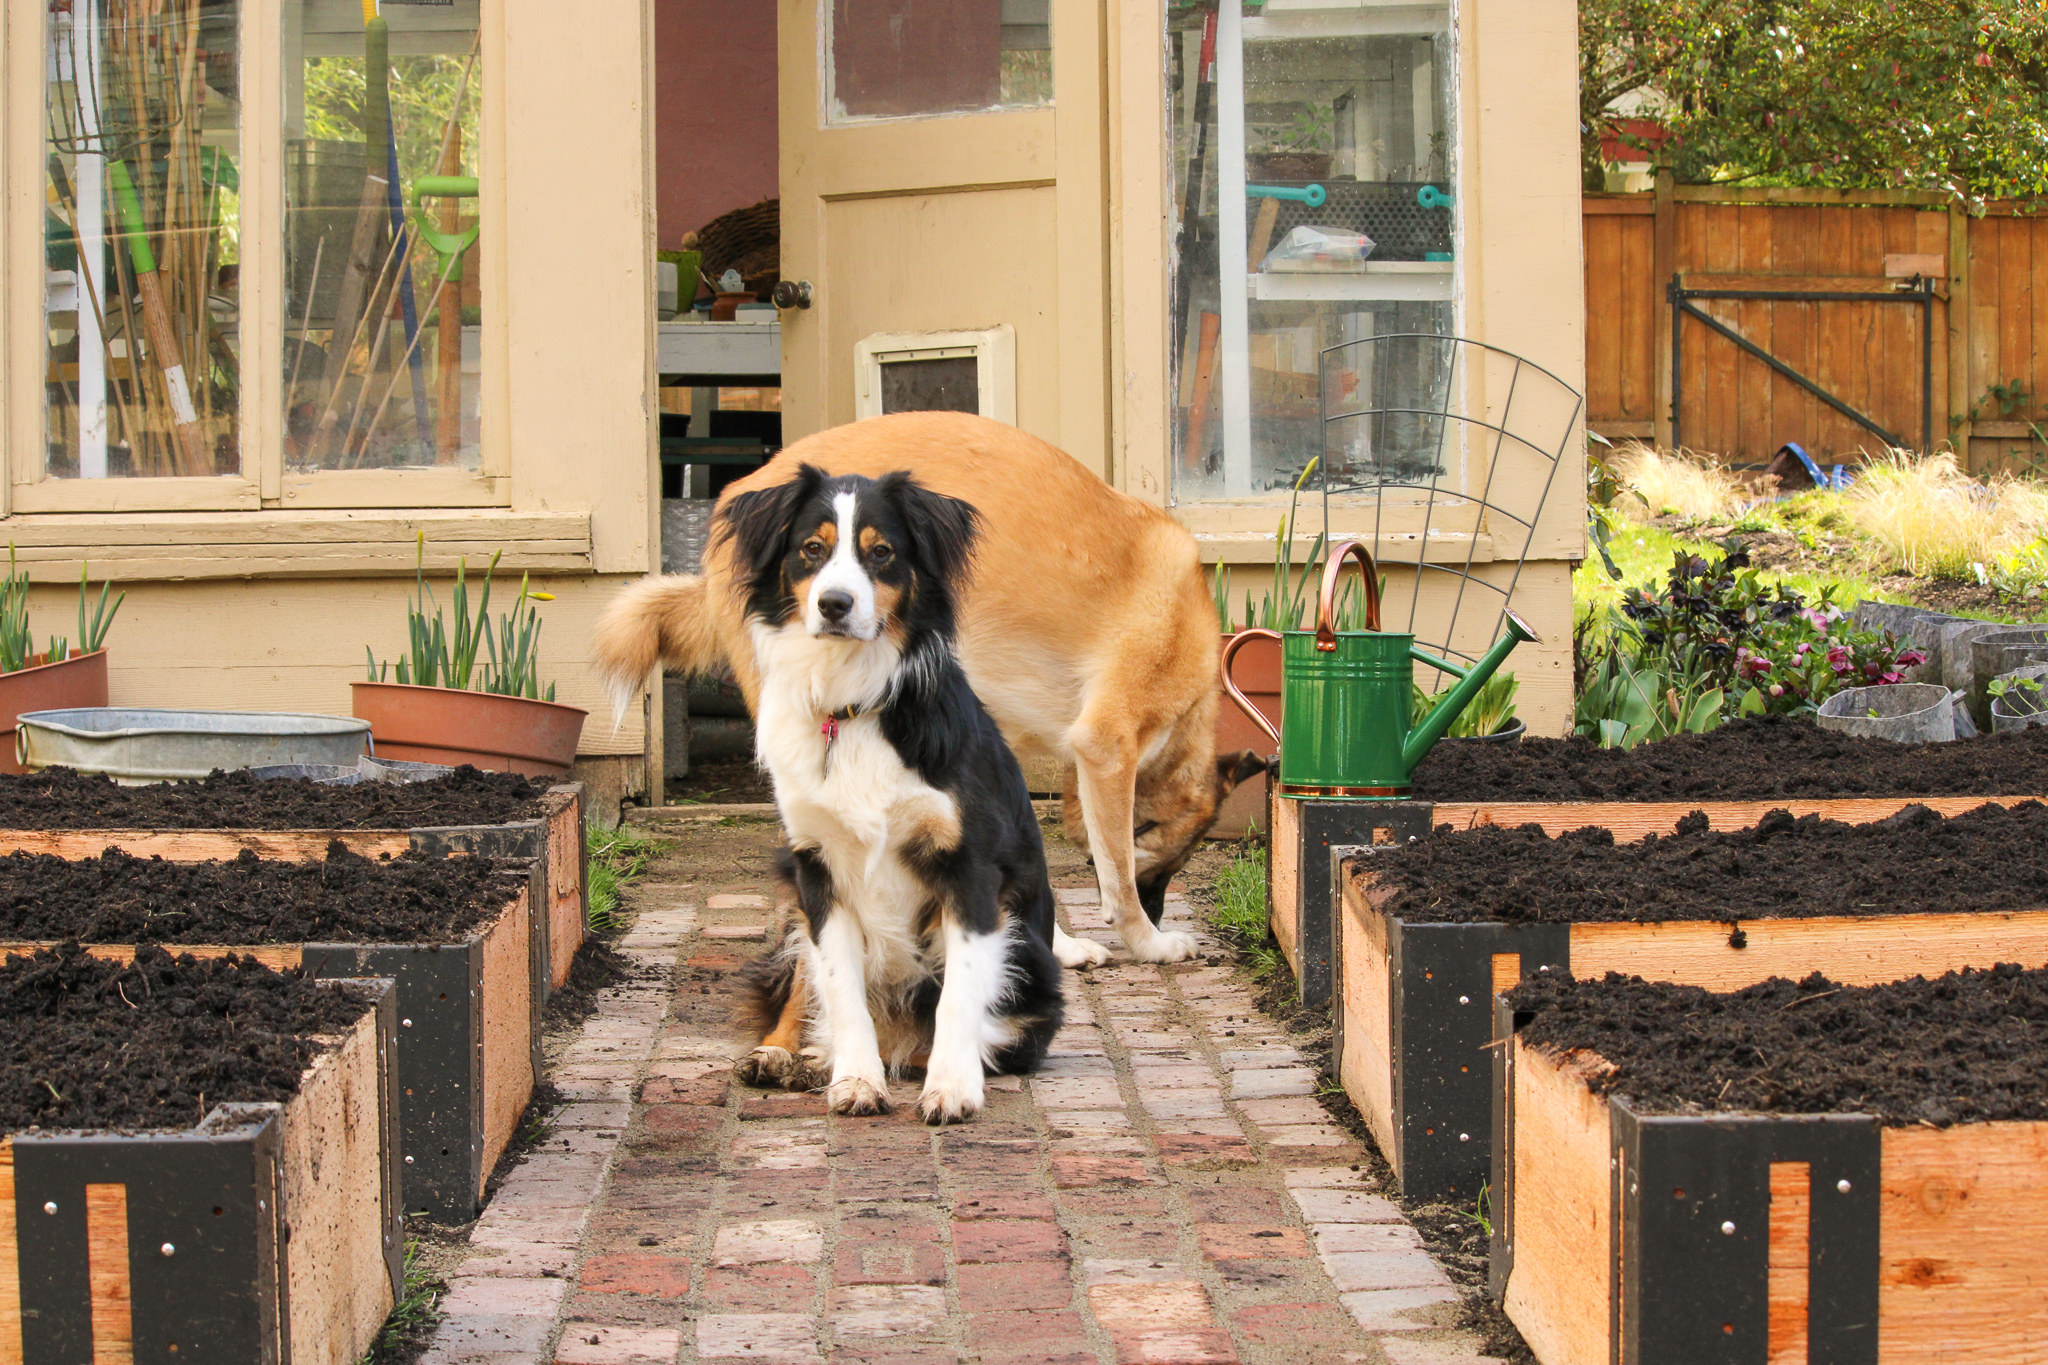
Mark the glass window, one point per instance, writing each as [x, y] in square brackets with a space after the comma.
[902, 58]
[383, 310]
[1313, 165]
[141, 241]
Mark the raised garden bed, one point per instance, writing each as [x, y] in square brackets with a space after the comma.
[1796, 1171]
[452, 933]
[492, 815]
[1733, 775]
[199, 1161]
[1431, 931]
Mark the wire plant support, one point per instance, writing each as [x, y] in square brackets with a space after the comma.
[1452, 440]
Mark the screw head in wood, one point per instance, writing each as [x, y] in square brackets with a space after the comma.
[1464, 999]
[408, 1161]
[50, 1207]
[1842, 1185]
[405, 1023]
[1464, 1137]
[1727, 1229]
[168, 1249]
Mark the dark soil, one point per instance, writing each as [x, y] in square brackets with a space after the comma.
[117, 898]
[61, 799]
[155, 1043]
[724, 782]
[1746, 760]
[1968, 1047]
[1915, 862]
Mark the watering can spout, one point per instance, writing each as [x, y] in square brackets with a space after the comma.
[1425, 735]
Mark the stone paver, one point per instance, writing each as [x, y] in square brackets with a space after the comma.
[1168, 1190]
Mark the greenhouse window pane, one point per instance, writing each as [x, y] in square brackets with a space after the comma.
[383, 315]
[142, 243]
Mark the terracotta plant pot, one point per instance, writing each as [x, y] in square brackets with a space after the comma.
[725, 308]
[446, 725]
[80, 680]
[1257, 670]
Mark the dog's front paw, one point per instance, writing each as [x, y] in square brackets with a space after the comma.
[857, 1097]
[1077, 953]
[1165, 946]
[950, 1102]
[764, 1067]
[810, 1069]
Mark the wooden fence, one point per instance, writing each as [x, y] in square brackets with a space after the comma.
[1866, 252]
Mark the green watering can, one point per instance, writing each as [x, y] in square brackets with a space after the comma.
[1346, 697]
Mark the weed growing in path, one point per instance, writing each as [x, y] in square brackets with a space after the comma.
[616, 857]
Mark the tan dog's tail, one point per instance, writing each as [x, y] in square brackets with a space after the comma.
[664, 620]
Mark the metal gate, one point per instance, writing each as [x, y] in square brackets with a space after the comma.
[1919, 291]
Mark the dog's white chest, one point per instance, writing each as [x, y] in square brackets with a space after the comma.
[840, 785]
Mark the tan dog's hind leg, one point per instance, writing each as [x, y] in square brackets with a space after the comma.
[1107, 772]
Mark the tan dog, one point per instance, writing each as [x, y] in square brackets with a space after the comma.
[1087, 630]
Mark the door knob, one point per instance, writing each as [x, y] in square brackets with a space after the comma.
[792, 294]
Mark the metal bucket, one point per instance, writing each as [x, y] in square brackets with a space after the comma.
[135, 746]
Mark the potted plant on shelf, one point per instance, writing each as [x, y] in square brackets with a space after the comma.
[67, 674]
[474, 695]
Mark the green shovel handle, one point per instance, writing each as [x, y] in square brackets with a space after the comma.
[447, 245]
[130, 209]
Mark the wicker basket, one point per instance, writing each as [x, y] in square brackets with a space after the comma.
[748, 240]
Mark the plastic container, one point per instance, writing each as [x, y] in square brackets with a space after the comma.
[135, 746]
[2021, 707]
[1908, 712]
[2000, 652]
[366, 769]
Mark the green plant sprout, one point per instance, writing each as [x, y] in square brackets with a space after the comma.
[1491, 709]
[434, 658]
[17, 643]
[1284, 606]
[616, 857]
[1482, 1209]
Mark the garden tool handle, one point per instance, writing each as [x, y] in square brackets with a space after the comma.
[1312, 195]
[1326, 601]
[1230, 685]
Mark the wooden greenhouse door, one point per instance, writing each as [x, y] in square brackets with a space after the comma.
[913, 207]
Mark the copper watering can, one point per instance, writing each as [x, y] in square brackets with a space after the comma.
[1346, 696]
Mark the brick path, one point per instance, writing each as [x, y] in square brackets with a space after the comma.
[1167, 1192]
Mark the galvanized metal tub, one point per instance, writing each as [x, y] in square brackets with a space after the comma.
[135, 746]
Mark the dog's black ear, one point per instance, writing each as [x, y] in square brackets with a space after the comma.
[758, 522]
[942, 529]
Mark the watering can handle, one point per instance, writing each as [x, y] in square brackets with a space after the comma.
[1230, 685]
[1326, 602]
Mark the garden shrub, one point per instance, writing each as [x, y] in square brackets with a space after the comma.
[1715, 641]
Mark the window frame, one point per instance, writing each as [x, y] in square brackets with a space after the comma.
[263, 483]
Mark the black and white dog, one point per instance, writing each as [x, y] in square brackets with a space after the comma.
[914, 854]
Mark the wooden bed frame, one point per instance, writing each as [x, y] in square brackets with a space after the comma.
[1665, 1240]
[268, 1233]
[465, 1042]
[1411, 1001]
